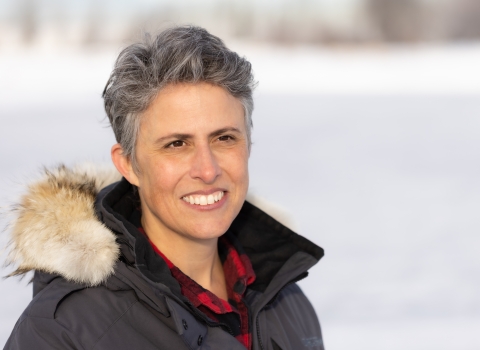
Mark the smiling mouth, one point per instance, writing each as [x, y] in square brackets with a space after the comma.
[204, 200]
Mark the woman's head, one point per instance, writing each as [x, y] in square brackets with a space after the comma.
[181, 106]
[186, 54]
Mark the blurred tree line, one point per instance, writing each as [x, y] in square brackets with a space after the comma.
[289, 21]
[416, 20]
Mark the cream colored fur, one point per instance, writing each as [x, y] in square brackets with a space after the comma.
[56, 230]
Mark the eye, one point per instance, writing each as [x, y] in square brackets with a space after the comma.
[225, 138]
[176, 144]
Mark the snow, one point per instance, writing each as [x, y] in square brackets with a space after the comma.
[374, 155]
[421, 69]
[388, 186]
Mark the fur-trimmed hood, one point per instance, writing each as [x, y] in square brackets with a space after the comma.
[55, 228]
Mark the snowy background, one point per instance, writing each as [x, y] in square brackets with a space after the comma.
[373, 155]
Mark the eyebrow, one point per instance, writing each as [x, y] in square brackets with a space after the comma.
[180, 136]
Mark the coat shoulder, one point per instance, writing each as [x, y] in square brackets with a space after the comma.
[66, 315]
[66, 310]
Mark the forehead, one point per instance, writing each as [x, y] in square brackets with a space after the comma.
[193, 106]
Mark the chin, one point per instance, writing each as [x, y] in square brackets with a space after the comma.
[207, 231]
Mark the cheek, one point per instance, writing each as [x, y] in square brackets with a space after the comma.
[159, 195]
[169, 177]
[238, 166]
[243, 174]
[164, 178]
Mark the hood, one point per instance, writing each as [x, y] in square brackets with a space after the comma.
[67, 225]
[55, 229]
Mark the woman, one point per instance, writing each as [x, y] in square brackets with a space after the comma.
[170, 256]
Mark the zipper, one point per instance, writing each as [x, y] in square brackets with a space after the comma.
[295, 280]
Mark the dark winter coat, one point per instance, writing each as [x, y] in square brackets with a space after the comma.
[98, 284]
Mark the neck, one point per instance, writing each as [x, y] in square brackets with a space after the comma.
[198, 259]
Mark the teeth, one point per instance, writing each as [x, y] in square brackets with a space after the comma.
[204, 200]
[210, 199]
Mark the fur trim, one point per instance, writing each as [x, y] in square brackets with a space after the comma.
[56, 229]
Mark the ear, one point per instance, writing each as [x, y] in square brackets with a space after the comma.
[123, 164]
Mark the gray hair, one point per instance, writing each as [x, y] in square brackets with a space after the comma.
[185, 54]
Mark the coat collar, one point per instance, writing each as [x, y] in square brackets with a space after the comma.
[270, 245]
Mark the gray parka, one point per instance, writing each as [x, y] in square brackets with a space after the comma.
[99, 285]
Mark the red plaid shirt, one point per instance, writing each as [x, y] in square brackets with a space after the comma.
[238, 275]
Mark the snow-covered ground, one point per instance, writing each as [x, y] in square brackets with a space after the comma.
[374, 155]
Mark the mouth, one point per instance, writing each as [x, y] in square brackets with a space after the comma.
[201, 200]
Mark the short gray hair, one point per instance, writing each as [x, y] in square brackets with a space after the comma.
[182, 54]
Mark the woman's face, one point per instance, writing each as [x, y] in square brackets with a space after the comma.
[192, 154]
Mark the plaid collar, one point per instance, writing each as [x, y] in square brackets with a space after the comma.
[238, 275]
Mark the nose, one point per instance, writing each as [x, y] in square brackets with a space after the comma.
[205, 166]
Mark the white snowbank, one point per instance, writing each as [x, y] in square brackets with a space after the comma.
[427, 69]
